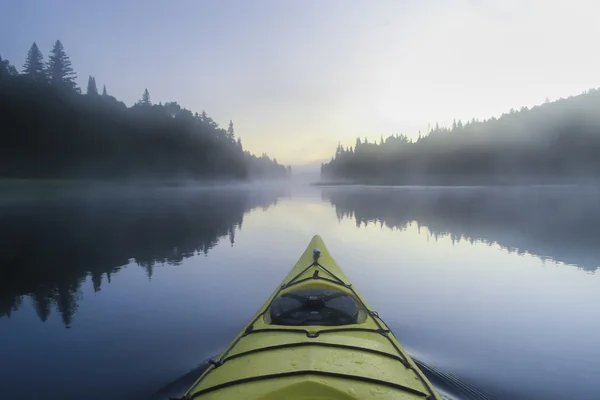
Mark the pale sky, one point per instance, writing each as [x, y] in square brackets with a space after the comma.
[297, 77]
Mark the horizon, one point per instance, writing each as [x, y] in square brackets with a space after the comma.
[296, 79]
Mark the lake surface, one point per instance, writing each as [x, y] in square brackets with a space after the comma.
[113, 295]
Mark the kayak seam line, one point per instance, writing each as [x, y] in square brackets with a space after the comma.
[309, 372]
[317, 333]
[323, 344]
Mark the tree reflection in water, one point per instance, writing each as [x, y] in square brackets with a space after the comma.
[50, 247]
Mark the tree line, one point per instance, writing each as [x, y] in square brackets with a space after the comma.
[553, 141]
[49, 129]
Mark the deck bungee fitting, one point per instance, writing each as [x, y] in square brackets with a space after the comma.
[314, 338]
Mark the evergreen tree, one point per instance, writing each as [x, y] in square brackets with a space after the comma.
[208, 120]
[59, 69]
[92, 90]
[6, 68]
[173, 108]
[358, 144]
[232, 236]
[146, 98]
[41, 303]
[34, 64]
[104, 91]
[230, 132]
[97, 280]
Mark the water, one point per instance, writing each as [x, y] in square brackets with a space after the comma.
[114, 295]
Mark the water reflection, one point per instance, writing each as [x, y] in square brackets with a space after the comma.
[49, 247]
[557, 222]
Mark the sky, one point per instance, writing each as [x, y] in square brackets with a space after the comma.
[299, 77]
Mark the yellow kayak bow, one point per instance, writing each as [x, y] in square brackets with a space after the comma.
[314, 338]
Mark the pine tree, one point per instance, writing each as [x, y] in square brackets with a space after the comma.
[146, 98]
[6, 68]
[208, 120]
[59, 69]
[232, 236]
[104, 91]
[173, 108]
[230, 132]
[92, 90]
[34, 64]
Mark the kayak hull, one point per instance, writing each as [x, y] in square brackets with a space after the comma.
[357, 360]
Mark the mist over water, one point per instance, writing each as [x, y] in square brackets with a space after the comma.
[492, 289]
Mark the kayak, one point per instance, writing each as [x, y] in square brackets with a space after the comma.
[314, 338]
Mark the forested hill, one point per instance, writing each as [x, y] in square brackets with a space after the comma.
[49, 129]
[556, 141]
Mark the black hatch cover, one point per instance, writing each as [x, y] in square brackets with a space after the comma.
[314, 307]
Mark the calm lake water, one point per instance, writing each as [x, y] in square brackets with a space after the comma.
[108, 295]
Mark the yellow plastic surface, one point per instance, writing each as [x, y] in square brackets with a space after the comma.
[315, 370]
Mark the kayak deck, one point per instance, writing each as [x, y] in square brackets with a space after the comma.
[314, 338]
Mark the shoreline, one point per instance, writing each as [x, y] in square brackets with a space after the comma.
[462, 182]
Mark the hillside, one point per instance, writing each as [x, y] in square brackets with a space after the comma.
[48, 129]
[554, 141]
